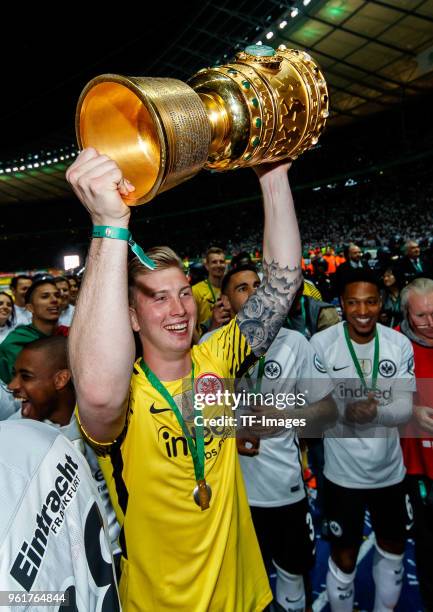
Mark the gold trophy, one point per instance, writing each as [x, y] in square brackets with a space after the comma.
[265, 106]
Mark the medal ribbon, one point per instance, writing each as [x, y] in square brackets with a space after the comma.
[258, 386]
[356, 362]
[196, 447]
[211, 290]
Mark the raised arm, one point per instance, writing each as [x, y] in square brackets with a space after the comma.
[101, 344]
[263, 314]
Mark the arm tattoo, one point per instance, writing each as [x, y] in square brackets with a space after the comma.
[262, 316]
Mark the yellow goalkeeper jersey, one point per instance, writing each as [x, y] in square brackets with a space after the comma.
[205, 295]
[175, 556]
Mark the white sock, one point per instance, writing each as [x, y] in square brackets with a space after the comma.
[340, 588]
[388, 577]
[290, 591]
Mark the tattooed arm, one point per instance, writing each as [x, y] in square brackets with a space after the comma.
[262, 316]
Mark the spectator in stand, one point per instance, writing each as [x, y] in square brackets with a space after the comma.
[74, 288]
[413, 264]
[207, 292]
[7, 315]
[417, 438]
[19, 286]
[340, 258]
[391, 313]
[353, 261]
[331, 260]
[43, 302]
[384, 259]
[66, 309]
[321, 278]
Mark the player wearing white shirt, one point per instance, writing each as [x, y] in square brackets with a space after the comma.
[272, 468]
[52, 530]
[42, 382]
[372, 366]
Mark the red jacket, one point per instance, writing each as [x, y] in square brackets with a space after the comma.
[417, 447]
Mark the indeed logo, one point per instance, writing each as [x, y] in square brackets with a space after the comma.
[345, 392]
[50, 518]
[177, 445]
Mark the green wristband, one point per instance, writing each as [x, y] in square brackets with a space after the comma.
[121, 233]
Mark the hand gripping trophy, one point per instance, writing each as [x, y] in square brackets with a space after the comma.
[266, 106]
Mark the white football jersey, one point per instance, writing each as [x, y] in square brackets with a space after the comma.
[53, 534]
[8, 404]
[274, 476]
[367, 456]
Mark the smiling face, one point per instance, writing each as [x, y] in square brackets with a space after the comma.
[34, 384]
[361, 306]
[216, 265]
[6, 306]
[420, 315]
[45, 303]
[164, 312]
[63, 287]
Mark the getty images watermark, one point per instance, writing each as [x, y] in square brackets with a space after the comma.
[340, 408]
[243, 400]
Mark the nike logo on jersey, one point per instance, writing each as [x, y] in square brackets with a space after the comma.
[338, 369]
[154, 410]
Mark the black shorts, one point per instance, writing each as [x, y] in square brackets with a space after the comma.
[286, 536]
[390, 511]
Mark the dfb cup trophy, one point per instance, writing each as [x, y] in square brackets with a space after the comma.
[268, 105]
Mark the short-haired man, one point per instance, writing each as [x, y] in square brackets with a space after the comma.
[19, 286]
[364, 468]
[42, 383]
[417, 439]
[412, 265]
[53, 537]
[43, 303]
[66, 309]
[353, 262]
[272, 470]
[74, 288]
[206, 293]
[187, 537]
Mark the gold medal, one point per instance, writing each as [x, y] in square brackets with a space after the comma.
[202, 494]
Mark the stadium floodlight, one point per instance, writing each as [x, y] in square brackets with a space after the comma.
[71, 262]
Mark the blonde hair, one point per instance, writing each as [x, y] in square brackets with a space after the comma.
[162, 256]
